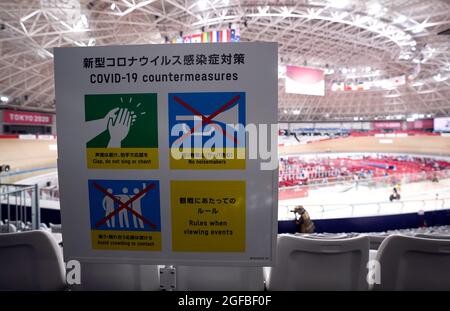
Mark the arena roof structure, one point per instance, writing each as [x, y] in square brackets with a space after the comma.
[350, 40]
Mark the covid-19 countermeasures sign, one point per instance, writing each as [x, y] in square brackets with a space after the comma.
[167, 153]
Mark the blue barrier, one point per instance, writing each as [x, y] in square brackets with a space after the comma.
[28, 171]
[373, 223]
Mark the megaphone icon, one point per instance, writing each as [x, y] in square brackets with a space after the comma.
[229, 116]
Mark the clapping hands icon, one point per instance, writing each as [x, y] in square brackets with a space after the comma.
[119, 123]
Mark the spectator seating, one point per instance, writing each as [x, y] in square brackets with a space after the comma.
[31, 260]
[433, 236]
[55, 228]
[414, 263]
[376, 240]
[19, 225]
[417, 259]
[319, 264]
[7, 228]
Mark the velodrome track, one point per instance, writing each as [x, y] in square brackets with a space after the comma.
[26, 157]
[426, 145]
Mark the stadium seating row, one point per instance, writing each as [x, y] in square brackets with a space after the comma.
[10, 226]
[32, 260]
[295, 170]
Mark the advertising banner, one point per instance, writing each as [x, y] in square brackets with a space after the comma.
[395, 125]
[26, 118]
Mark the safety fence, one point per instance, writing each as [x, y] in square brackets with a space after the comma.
[19, 207]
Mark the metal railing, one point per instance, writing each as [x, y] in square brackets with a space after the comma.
[328, 211]
[19, 206]
[48, 193]
[382, 181]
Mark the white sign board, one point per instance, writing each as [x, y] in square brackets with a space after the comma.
[442, 124]
[153, 167]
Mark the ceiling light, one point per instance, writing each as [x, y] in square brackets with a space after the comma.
[344, 70]
[400, 19]
[368, 69]
[263, 10]
[375, 8]
[285, 11]
[202, 4]
[353, 70]
[4, 99]
[113, 6]
[413, 48]
[81, 25]
[418, 28]
[84, 20]
[285, 111]
[439, 78]
[296, 112]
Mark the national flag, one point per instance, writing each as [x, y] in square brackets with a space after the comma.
[233, 35]
[197, 38]
[225, 35]
[215, 36]
[360, 86]
[205, 37]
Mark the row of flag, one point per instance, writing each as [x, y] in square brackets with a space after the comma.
[227, 35]
[349, 86]
[368, 85]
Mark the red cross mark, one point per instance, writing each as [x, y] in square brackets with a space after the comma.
[124, 205]
[208, 120]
